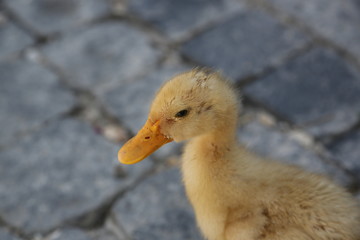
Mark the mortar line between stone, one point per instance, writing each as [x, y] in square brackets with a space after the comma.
[317, 146]
[14, 230]
[292, 21]
[103, 211]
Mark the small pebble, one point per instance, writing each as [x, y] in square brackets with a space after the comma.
[173, 161]
[302, 137]
[33, 55]
[119, 7]
[266, 119]
[115, 133]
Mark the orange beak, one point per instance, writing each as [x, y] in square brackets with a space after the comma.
[146, 141]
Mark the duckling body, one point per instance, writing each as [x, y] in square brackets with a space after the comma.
[237, 195]
[253, 198]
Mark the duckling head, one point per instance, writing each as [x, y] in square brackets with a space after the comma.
[191, 104]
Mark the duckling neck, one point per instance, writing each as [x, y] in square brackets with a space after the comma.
[216, 145]
[207, 161]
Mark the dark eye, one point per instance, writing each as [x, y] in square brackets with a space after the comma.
[182, 113]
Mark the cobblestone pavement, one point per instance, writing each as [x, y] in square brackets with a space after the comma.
[77, 76]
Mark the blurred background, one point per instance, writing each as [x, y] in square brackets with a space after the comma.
[77, 78]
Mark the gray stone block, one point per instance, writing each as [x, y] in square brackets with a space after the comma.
[104, 234]
[78, 234]
[244, 45]
[176, 18]
[6, 235]
[131, 102]
[12, 38]
[108, 52]
[334, 19]
[48, 16]
[318, 91]
[272, 143]
[157, 209]
[29, 95]
[57, 174]
[347, 151]
[69, 234]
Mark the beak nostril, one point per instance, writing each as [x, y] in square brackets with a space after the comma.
[147, 138]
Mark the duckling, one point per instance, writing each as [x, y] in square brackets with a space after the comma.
[237, 195]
